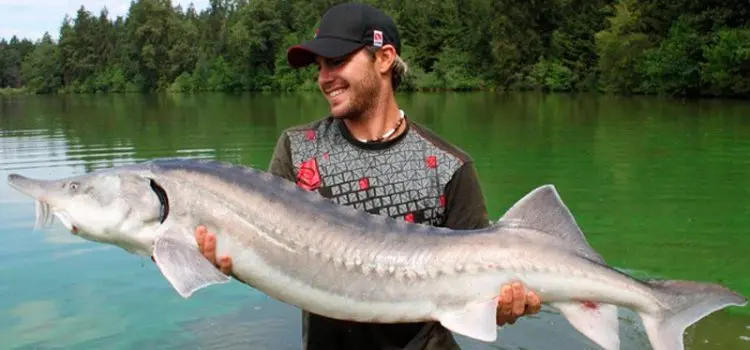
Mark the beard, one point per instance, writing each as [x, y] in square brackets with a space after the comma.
[362, 95]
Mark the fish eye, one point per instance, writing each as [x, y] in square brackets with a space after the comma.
[73, 186]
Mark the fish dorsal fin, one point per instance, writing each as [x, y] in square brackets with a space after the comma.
[544, 211]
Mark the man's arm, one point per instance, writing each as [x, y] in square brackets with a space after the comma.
[464, 202]
[465, 209]
[281, 160]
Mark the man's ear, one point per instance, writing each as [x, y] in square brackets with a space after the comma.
[386, 56]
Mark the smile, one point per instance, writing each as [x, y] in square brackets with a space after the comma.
[335, 93]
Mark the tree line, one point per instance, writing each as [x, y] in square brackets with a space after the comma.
[672, 47]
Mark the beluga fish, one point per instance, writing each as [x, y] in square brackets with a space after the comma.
[303, 249]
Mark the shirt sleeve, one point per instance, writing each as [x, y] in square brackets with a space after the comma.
[464, 202]
[281, 160]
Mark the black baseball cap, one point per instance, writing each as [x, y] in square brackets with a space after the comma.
[343, 29]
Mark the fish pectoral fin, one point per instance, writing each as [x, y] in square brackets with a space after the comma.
[184, 266]
[476, 320]
[596, 321]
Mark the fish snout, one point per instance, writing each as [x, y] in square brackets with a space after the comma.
[16, 178]
[28, 186]
[19, 182]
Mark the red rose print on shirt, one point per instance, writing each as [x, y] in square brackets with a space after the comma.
[409, 217]
[310, 135]
[308, 176]
[364, 183]
[431, 161]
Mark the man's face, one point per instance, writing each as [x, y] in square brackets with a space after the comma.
[350, 83]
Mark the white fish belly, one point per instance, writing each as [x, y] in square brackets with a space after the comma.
[318, 286]
[250, 268]
[398, 300]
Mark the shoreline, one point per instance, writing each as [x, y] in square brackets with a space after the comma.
[23, 91]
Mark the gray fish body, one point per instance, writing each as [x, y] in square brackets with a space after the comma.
[276, 231]
[303, 249]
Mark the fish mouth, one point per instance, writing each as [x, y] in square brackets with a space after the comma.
[65, 220]
[45, 215]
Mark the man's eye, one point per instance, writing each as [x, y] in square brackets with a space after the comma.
[331, 62]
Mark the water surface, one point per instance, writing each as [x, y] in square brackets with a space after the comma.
[659, 186]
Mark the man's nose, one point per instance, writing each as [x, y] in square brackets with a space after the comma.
[324, 74]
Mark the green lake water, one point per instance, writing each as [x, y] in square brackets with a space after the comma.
[660, 187]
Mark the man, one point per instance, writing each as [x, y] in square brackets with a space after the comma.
[369, 155]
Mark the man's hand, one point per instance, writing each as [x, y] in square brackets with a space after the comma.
[514, 303]
[207, 246]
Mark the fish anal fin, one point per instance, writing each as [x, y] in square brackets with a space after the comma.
[596, 321]
[182, 264]
[477, 320]
[543, 210]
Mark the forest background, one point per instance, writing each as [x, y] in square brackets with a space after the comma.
[686, 48]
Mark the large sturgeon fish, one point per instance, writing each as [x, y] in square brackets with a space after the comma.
[305, 250]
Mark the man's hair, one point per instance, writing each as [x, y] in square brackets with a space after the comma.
[399, 67]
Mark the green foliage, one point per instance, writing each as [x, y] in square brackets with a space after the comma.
[12, 54]
[620, 49]
[39, 68]
[726, 70]
[682, 47]
[552, 76]
[673, 67]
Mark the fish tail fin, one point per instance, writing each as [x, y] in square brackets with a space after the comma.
[683, 304]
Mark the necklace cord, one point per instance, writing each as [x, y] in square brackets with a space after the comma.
[387, 133]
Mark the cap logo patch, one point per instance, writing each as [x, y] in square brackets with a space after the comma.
[377, 38]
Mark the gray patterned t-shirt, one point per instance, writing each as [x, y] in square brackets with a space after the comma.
[417, 177]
